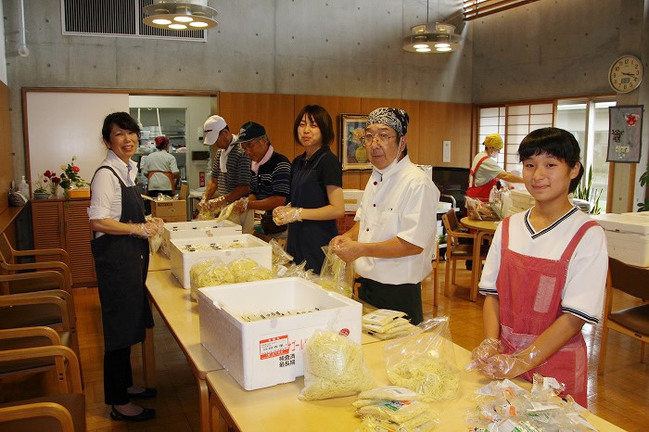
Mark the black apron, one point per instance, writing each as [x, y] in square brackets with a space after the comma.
[306, 238]
[122, 263]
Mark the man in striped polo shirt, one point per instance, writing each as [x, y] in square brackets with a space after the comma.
[230, 171]
[270, 185]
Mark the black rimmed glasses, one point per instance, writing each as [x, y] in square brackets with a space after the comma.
[381, 138]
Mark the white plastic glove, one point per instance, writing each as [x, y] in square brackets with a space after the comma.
[144, 230]
[241, 205]
[488, 348]
[283, 215]
[502, 366]
[215, 204]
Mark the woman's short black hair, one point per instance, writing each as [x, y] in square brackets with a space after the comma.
[322, 119]
[123, 120]
[555, 142]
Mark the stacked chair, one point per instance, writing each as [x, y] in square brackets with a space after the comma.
[38, 338]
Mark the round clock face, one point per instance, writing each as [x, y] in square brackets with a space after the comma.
[625, 74]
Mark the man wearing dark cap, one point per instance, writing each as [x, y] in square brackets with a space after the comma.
[161, 171]
[230, 171]
[270, 185]
[392, 241]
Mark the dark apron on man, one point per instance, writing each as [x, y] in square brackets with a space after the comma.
[306, 238]
[122, 263]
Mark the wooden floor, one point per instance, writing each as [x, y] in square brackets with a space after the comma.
[621, 396]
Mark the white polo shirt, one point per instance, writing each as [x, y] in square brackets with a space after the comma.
[402, 203]
[106, 198]
[583, 294]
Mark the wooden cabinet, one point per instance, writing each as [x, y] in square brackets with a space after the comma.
[64, 224]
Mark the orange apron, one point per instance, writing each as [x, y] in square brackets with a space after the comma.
[529, 291]
[480, 192]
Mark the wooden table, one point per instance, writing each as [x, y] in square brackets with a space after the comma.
[483, 231]
[277, 408]
[158, 261]
[181, 317]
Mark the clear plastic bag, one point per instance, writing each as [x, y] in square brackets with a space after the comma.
[336, 275]
[480, 210]
[208, 272]
[425, 361]
[333, 367]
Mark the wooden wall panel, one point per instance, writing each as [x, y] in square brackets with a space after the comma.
[6, 161]
[273, 111]
[431, 123]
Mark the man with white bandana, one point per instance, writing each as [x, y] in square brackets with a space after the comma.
[391, 243]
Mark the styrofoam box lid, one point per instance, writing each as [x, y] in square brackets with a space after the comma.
[629, 222]
[248, 239]
[181, 226]
[281, 294]
[353, 194]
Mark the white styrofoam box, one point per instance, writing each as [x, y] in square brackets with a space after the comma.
[197, 229]
[521, 199]
[183, 260]
[627, 237]
[268, 352]
[352, 199]
[443, 206]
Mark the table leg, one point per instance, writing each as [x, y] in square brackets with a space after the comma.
[203, 404]
[475, 269]
[148, 359]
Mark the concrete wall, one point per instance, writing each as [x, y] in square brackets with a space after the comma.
[548, 49]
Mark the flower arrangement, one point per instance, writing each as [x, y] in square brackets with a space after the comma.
[42, 184]
[70, 177]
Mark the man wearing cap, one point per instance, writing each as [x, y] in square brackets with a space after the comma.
[161, 171]
[270, 185]
[485, 172]
[392, 241]
[230, 171]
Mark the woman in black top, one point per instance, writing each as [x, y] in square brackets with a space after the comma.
[316, 189]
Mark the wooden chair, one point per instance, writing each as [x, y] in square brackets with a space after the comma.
[632, 321]
[64, 411]
[52, 308]
[59, 261]
[456, 251]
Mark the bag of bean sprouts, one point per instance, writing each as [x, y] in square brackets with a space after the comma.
[333, 367]
[425, 361]
[336, 275]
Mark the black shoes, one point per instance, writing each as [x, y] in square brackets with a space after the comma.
[148, 393]
[146, 414]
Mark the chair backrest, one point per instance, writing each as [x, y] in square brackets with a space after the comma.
[628, 278]
[451, 225]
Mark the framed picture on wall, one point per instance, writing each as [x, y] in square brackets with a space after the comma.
[625, 133]
[353, 155]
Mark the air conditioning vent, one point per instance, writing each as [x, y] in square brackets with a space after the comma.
[116, 18]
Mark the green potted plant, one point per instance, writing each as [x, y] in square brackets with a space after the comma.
[41, 191]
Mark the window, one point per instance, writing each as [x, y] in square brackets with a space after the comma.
[587, 120]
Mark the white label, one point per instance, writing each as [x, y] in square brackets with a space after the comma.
[446, 153]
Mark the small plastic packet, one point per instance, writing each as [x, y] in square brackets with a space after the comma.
[382, 317]
[424, 361]
[336, 275]
[333, 367]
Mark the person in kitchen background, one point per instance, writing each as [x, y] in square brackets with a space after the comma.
[316, 189]
[230, 174]
[161, 171]
[485, 172]
[270, 185]
[390, 246]
[121, 253]
[545, 274]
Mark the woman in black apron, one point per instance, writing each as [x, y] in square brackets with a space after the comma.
[316, 190]
[121, 252]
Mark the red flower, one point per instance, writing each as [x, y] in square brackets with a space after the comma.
[48, 174]
[56, 180]
[75, 169]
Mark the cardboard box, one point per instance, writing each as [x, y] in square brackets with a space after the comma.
[170, 210]
[196, 229]
[268, 352]
[627, 237]
[352, 199]
[220, 247]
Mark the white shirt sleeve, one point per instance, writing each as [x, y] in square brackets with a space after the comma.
[491, 267]
[106, 197]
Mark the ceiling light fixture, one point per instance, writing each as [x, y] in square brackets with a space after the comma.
[432, 38]
[180, 15]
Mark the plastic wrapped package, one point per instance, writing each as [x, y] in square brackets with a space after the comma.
[336, 275]
[209, 272]
[425, 361]
[387, 324]
[333, 367]
[479, 210]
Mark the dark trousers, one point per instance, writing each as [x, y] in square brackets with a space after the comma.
[405, 297]
[117, 376]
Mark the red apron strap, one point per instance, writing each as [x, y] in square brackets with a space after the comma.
[475, 170]
[570, 249]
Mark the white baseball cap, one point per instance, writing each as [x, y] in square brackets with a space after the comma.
[212, 128]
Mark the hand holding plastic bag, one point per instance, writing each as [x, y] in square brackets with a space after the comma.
[502, 366]
[283, 215]
[213, 204]
[336, 275]
[488, 348]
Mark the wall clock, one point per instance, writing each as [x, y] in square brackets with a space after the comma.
[625, 74]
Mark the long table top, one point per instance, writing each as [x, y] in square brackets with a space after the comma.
[278, 408]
